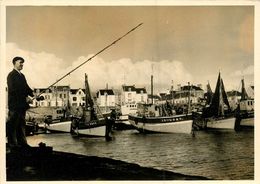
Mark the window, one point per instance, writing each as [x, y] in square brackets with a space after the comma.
[64, 95]
[79, 92]
[74, 98]
[60, 95]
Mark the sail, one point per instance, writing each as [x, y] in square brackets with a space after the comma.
[88, 99]
[209, 94]
[90, 104]
[219, 101]
[244, 95]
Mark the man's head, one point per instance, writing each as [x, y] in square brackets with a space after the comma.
[18, 63]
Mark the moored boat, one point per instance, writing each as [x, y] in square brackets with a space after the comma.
[245, 108]
[58, 121]
[91, 122]
[122, 123]
[59, 126]
[218, 115]
[152, 118]
[171, 124]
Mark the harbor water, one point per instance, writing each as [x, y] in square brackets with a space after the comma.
[217, 155]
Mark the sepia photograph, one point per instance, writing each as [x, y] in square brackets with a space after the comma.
[123, 92]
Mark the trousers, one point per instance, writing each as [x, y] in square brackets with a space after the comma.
[16, 128]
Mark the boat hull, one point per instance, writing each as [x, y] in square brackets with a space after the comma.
[246, 118]
[99, 131]
[59, 127]
[122, 123]
[94, 128]
[225, 123]
[249, 122]
[171, 124]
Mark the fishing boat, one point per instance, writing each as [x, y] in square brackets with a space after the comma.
[121, 122]
[245, 108]
[152, 118]
[91, 122]
[156, 123]
[218, 114]
[58, 121]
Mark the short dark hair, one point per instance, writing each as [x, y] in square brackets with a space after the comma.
[18, 58]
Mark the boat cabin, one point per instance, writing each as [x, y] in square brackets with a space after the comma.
[247, 105]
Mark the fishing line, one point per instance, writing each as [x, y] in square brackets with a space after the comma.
[102, 50]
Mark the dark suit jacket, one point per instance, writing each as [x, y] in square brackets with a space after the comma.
[18, 90]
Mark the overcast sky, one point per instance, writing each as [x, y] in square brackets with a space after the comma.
[183, 44]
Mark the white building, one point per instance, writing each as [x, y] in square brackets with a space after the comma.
[77, 97]
[106, 98]
[183, 94]
[48, 97]
[59, 96]
[133, 95]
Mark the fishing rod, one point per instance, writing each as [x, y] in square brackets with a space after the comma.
[39, 97]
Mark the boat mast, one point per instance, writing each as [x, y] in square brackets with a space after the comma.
[189, 98]
[152, 87]
[172, 94]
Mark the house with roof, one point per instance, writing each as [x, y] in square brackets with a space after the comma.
[182, 95]
[155, 99]
[106, 99]
[47, 95]
[56, 96]
[60, 96]
[77, 97]
[133, 95]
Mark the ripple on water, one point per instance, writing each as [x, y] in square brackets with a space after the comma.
[217, 155]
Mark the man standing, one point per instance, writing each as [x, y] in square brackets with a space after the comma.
[18, 103]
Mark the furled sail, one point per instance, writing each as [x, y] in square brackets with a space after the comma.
[209, 94]
[95, 112]
[219, 102]
[244, 95]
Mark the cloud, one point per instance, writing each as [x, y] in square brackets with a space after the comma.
[40, 69]
[249, 70]
[43, 69]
